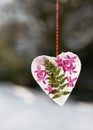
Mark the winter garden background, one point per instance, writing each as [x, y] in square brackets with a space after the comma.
[27, 30]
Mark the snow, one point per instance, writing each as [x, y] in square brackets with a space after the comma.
[24, 109]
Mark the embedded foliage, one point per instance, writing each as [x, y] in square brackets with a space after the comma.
[55, 79]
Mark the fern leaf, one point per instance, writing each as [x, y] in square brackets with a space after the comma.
[66, 93]
[63, 86]
[55, 79]
[56, 96]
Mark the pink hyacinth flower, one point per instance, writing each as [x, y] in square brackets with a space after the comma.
[67, 65]
[41, 74]
[70, 60]
[69, 68]
[71, 81]
[49, 89]
[59, 61]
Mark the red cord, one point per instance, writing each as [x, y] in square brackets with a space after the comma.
[57, 26]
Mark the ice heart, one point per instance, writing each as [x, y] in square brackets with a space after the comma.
[57, 76]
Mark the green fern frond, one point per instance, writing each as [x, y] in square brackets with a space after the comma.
[55, 79]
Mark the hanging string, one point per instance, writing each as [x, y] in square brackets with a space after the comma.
[57, 26]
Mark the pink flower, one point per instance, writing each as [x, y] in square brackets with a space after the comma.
[71, 81]
[41, 74]
[69, 68]
[67, 64]
[70, 60]
[49, 89]
[59, 61]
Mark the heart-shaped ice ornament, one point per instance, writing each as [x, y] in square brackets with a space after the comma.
[57, 76]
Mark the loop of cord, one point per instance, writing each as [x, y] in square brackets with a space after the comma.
[57, 26]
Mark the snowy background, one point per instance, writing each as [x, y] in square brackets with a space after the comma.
[24, 109]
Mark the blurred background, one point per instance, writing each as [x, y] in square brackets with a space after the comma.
[27, 30]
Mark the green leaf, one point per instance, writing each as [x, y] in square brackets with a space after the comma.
[61, 76]
[50, 82]
[50, 78]
[57, 72]
[56, 96]
[55, 85]
[66, 93]
[48, 67]
[55, 91]
[62, 81]
[46, 61]
[50, 85]
[54, 68]
[49, 73]
[55, 79]
[63, 86]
